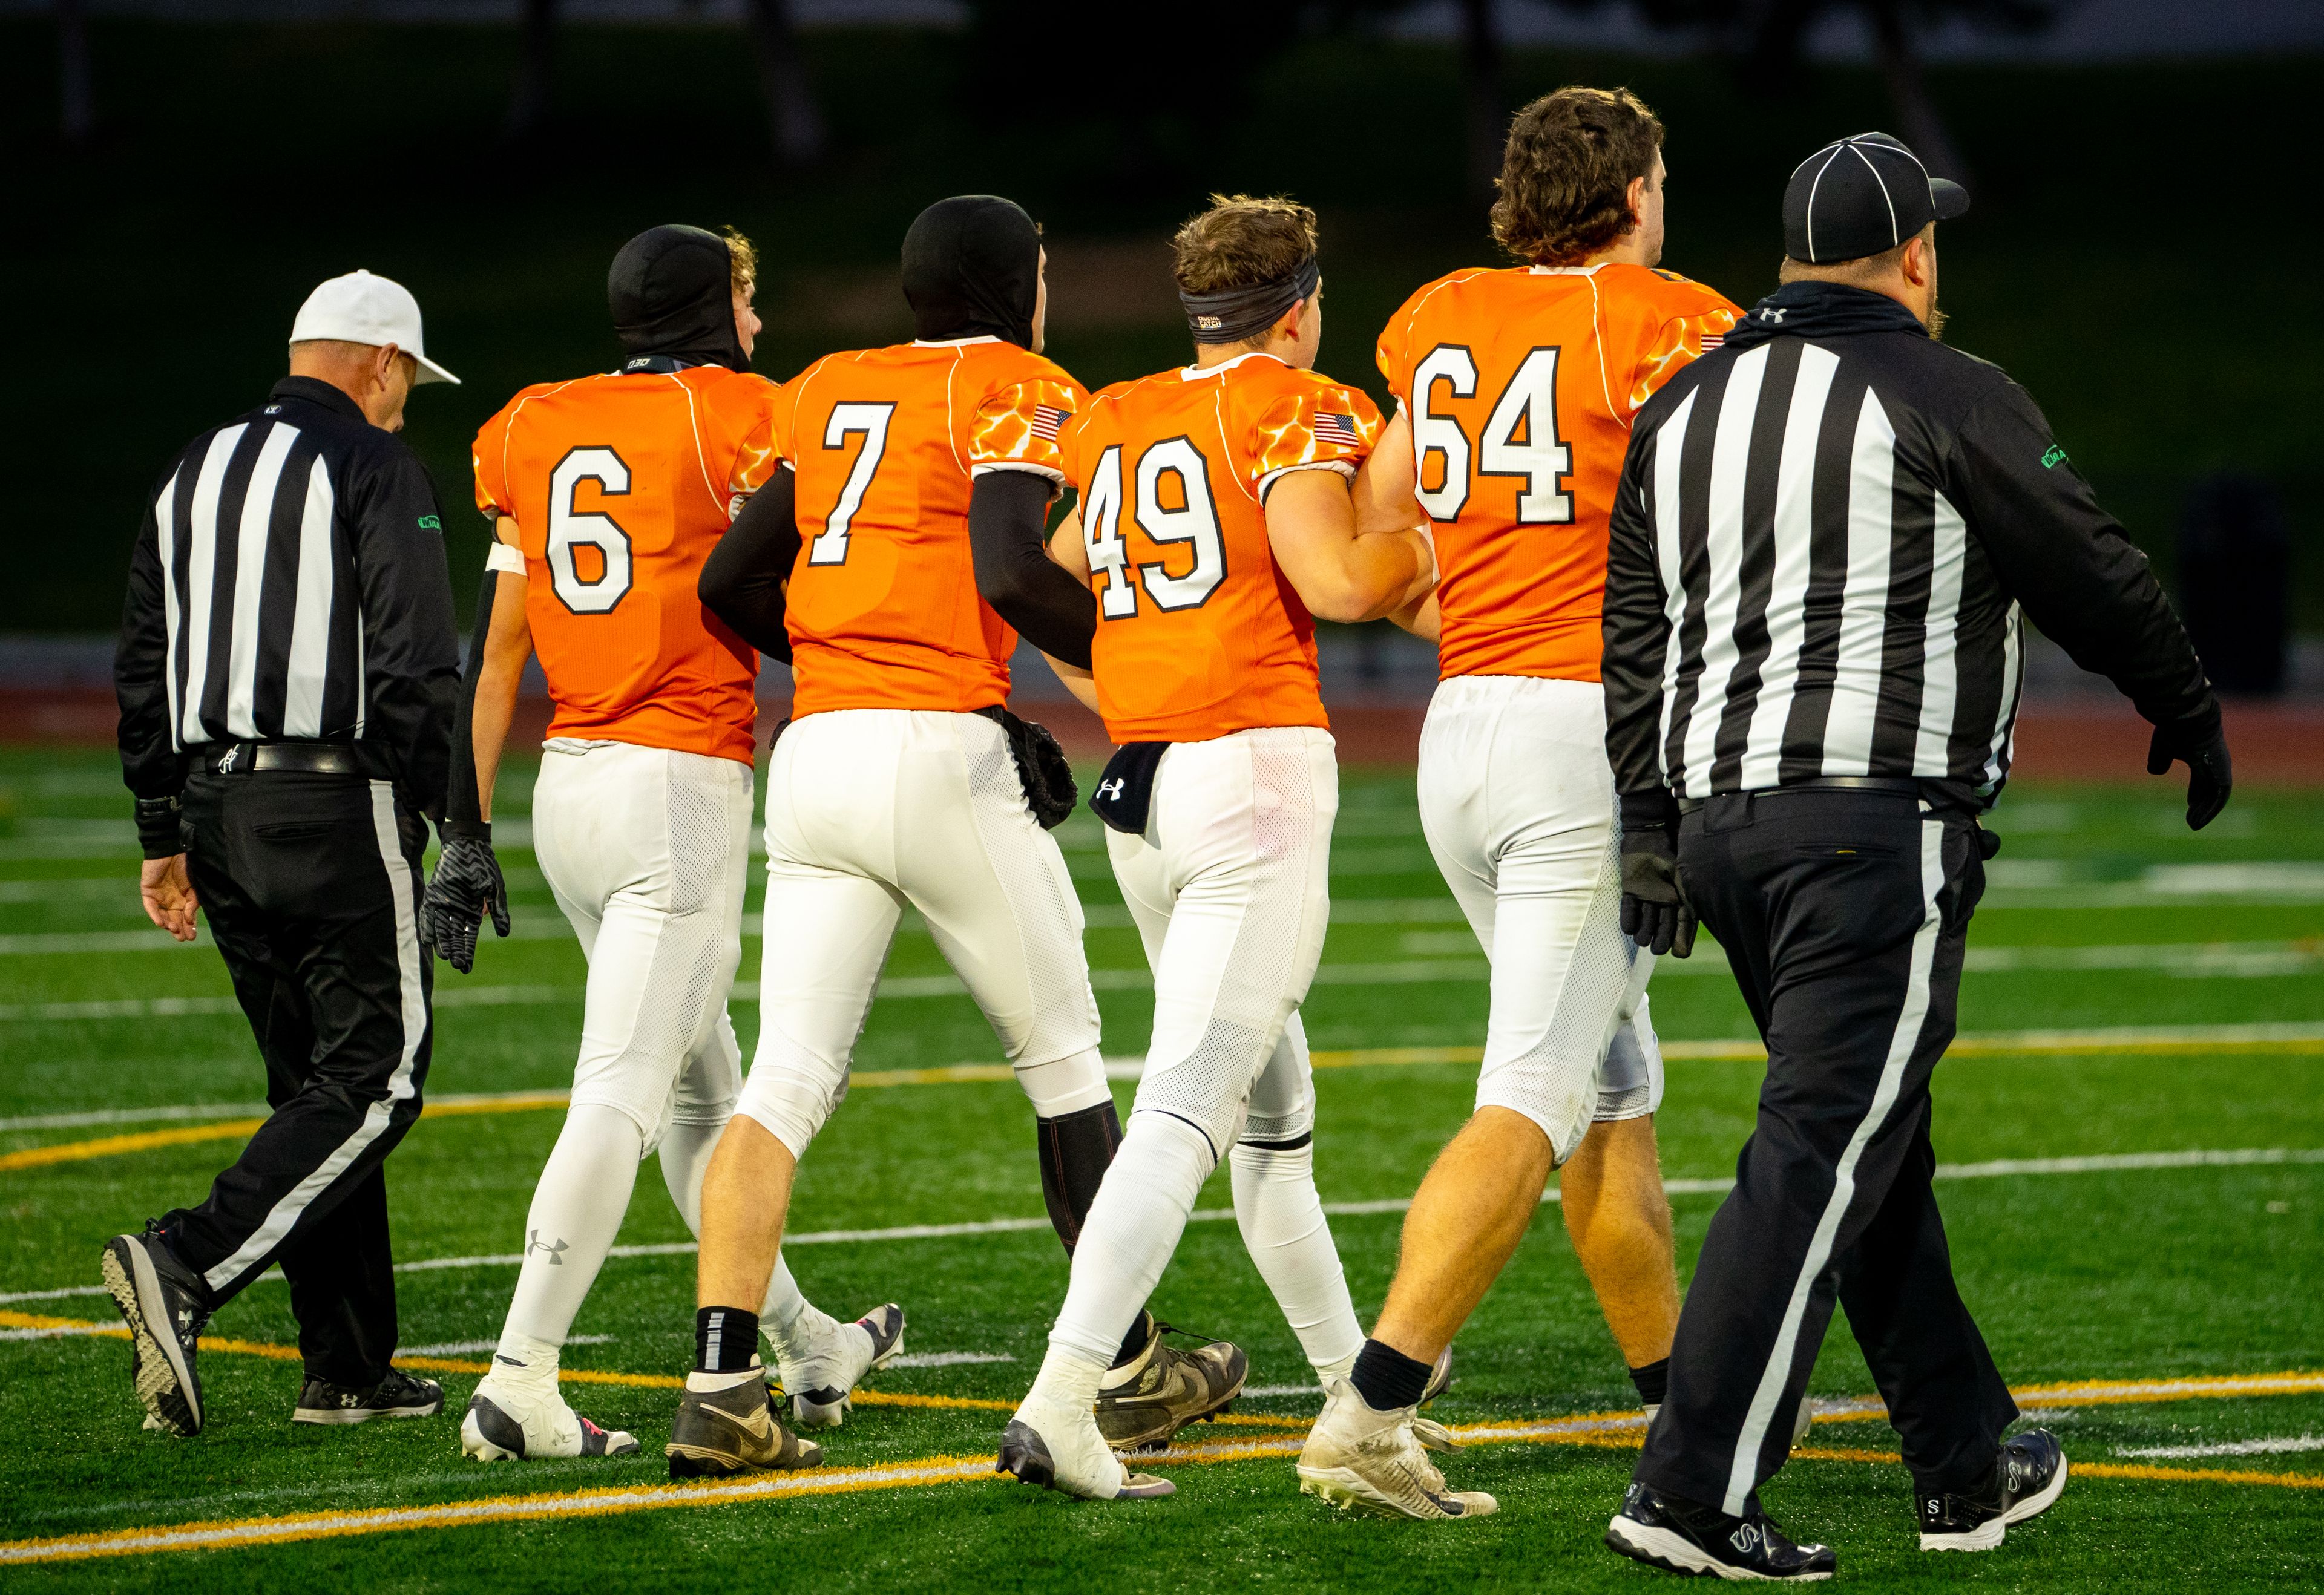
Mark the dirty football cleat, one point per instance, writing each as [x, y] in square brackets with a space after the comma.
[734, 1430]
[398, 1395]
[1060, 1447]
[508, 1421]
[827, 1360]
[161, 1300]
[2027, 1478]
[1161, 1390]
[1685, 1537]
[1377, 1462]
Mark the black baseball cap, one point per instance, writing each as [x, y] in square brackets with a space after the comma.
[1862, 195]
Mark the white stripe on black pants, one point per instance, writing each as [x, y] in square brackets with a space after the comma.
[1844, 915]
[311, 885]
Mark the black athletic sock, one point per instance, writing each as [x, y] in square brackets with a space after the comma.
[1653, 1382]
[1134, 1343]
[1386, 1378]
[1075, 1149]
[725, 1339]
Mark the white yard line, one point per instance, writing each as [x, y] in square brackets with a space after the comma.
[948, 1359]
[2227, 1448]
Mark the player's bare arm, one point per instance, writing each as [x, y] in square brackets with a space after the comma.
[1340, 573]
[1065, 548]
[1387, 497]
[508, 644]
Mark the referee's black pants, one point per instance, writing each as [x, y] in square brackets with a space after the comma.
[1844, 915]
[311, 884]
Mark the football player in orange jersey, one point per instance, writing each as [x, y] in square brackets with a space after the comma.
[1214, 524]
[921, 476]
[1515, 389]
[606, 494]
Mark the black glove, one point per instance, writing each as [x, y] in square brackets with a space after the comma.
[467, 884]
[1048, 779]
[2200, 741]
[1655, 914]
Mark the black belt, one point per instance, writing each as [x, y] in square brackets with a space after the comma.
[1902, 786]
[307, 758]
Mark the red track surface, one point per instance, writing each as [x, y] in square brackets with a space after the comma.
[2276, 744]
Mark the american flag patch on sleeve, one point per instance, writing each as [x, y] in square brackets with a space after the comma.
[1046, 419]
[1712, 340]
[1340, 429]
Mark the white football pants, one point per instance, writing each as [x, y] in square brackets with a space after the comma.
[1516, 799]
[869, 810]
[1230, 886]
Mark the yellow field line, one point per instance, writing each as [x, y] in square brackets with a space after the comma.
[235, 1130]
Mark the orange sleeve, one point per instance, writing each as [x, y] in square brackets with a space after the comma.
[1393, 352]
[1019, 427]
[1317, 425]
[782, 417]
[488, 460]
[756, 453]
[1677, 343]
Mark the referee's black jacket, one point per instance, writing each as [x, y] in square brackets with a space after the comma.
[290, 583]
[1819, 552]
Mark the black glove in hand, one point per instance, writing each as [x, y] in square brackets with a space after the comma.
[466, 886]
[1655, 914]
[2200, 741]
[1048, 779]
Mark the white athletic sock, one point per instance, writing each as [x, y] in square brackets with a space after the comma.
[1132, 1229]
[576, 1211]
[1289, 1238]
[685, 1151]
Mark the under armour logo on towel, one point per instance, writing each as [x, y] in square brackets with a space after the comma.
[533, 1243]
[1110, 789]
[1771, 312]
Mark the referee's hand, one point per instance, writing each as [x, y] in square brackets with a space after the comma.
[2200, 741]
[1655, 914]
[467, 886]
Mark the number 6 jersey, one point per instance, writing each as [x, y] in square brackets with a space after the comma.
[619, 485]
[883, 610]
[1519, 386]
[1198, 633]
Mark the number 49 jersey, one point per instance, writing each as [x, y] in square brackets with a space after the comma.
[882, 608]
[1519, 386]
[1199, 635]
[620, 486]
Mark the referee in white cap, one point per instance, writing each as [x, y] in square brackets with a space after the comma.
[287, 673]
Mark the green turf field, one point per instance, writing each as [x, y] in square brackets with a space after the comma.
[2094, 1253]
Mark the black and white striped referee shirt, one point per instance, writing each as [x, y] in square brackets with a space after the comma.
[290, 582]
[1823, 543]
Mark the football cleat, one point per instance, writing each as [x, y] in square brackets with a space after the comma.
[720, 1433]
[827, 1360]
[1373, 1462]
[1061, 1448]
[160, 1298]
[1681, 1536]
[2027, 1478]
[1440, 1378]
[398, 1395]
[1162, 1389]
[510, 1423]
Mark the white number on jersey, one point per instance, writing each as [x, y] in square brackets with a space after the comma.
[1441, 434]
[1196, 521]
[1109, 556]
[869, 421]
[571, 528]
[1531, 399]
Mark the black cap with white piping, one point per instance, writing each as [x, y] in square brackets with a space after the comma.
[1862, 195]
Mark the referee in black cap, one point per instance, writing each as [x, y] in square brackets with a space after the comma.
[287, 673]
[1825, 540]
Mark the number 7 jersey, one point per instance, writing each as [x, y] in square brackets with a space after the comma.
[1519, 386]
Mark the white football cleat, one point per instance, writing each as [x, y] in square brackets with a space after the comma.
[1377, 1462]
[826, 1359]
[510, 1422]
[1060, 1447]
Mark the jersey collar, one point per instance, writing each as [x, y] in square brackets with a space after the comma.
[1194, 374]
[953, 343]
[1567, 271]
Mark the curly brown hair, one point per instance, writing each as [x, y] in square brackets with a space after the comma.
[742, 262]
[1240, 242]
[1565, 177]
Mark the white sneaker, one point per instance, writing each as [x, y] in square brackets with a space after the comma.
[826, 1359]
[1060, 1447]
[507, 1421]
[1377, 1462]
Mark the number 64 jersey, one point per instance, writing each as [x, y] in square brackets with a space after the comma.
[621, 484]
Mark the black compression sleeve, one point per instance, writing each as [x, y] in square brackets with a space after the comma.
[743, 580]
[462, 804]
[1007, 525]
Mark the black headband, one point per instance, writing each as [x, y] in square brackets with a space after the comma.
[1234, 314]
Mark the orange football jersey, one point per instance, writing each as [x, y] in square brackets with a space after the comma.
[1519, 386]
[619, 485]
[882, 608]
[1198, 633]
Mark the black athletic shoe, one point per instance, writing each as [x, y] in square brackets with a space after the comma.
[1681, 1536]
[398, 1395]
[161, 1300]
[2027, 1478]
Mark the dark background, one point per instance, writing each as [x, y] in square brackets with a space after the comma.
[2141, 253]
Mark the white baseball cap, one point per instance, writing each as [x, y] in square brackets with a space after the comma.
[361, 308]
